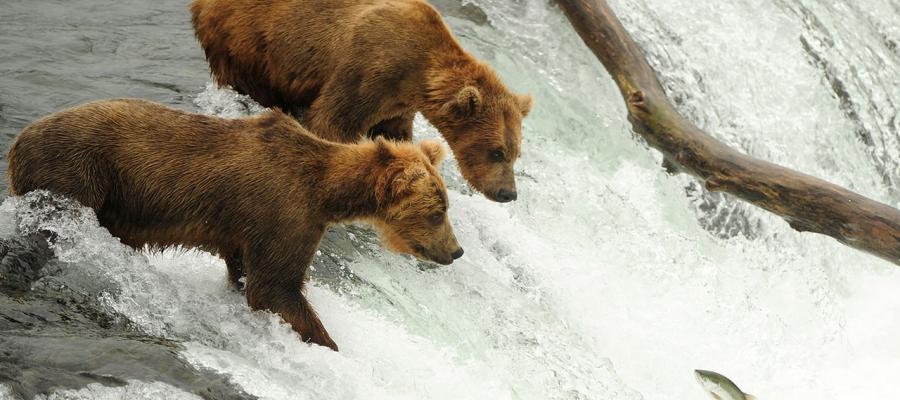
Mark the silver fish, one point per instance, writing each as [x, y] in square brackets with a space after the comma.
[720, 387]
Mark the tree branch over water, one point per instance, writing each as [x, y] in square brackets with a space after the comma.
[807, 203]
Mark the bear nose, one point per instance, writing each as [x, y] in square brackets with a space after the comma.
[458, 253]
[506, 195]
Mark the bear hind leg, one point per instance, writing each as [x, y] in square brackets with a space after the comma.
[82, 180]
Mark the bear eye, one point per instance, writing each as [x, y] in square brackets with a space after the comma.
[436, 219]
[497, 155]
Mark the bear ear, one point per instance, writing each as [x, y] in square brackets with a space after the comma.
[434, 150]
[525, 102]
[383, 153]
[468, 101]
[387, 185]
[396, 182]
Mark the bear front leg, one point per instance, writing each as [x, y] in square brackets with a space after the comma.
[397, 128]
[324, 119]
[334, 115]
[284, 297]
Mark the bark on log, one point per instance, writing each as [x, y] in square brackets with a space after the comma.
[807, 203]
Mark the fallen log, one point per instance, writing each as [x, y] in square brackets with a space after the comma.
[807, 203]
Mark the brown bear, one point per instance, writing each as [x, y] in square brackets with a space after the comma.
[259, 192]
[365, 67]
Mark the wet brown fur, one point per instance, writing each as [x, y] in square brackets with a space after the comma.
[363, 67]
[258, 191]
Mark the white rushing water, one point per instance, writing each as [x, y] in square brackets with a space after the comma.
[608, 278]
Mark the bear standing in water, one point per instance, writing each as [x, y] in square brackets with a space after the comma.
[365, 67]
[259, 192]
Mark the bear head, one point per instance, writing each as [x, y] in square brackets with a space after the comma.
[412, 201]
[482, 122]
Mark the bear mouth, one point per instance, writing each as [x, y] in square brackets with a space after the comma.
[423, 254]
[501, 195]
[448, 261]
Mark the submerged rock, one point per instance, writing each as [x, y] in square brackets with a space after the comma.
[53, 338]
[21, 263]
[463, 10]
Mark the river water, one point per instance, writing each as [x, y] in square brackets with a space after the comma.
[607, 279]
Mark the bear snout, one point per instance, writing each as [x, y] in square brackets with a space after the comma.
[458, 253]
[439, 257]
[455, 255]
[505, 195]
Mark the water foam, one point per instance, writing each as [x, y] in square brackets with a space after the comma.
[599, 282]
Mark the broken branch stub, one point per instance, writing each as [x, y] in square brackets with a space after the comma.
[807, 203]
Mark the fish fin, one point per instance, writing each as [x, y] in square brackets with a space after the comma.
[749, 396]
